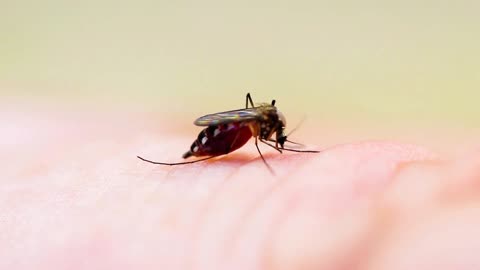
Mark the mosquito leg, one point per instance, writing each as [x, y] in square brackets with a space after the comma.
[264, 161]
[293, 150]
[172, 164]
[249, 100]
[276, 148]
[301, 144]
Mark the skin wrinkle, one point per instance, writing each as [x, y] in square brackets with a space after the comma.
[356, 252]
[266, 262]
[395, 248]
[392, 217]
[255, 206]
[202, 218]
[354, 147]
[442, 192]
[467, 186]
[187, 263]
[201, 221]
[378, 230]
[280, 221]
[218, 194]
[205, 210]
[401, 167]
[246, 213]
[382, 223]
[277, 222]
[404, 166]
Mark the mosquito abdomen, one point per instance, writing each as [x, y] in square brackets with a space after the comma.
[220, 140]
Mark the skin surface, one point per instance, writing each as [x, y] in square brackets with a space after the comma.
[73, 196]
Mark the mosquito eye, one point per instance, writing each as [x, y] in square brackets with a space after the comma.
[281, 140]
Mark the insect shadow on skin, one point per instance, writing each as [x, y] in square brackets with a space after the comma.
[227, 131]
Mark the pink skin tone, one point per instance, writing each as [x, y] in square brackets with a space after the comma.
[73, 196]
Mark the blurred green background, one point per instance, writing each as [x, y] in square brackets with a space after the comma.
[388, 63]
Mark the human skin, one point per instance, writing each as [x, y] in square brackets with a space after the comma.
[74, 196]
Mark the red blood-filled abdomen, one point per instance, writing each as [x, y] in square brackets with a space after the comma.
[220, 140]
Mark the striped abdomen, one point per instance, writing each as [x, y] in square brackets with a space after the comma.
[220, 140]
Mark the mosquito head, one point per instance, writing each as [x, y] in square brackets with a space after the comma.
[282, 123]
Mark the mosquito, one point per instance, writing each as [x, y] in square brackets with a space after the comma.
[227, 131]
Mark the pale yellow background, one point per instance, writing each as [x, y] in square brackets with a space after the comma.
[388, 63]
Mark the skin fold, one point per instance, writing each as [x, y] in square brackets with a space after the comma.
[74, 196]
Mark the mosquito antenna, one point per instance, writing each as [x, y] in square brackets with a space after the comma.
[173, 164]
[295, 129]
[297, 126]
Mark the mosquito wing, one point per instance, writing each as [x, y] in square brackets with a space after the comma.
[228, 117]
